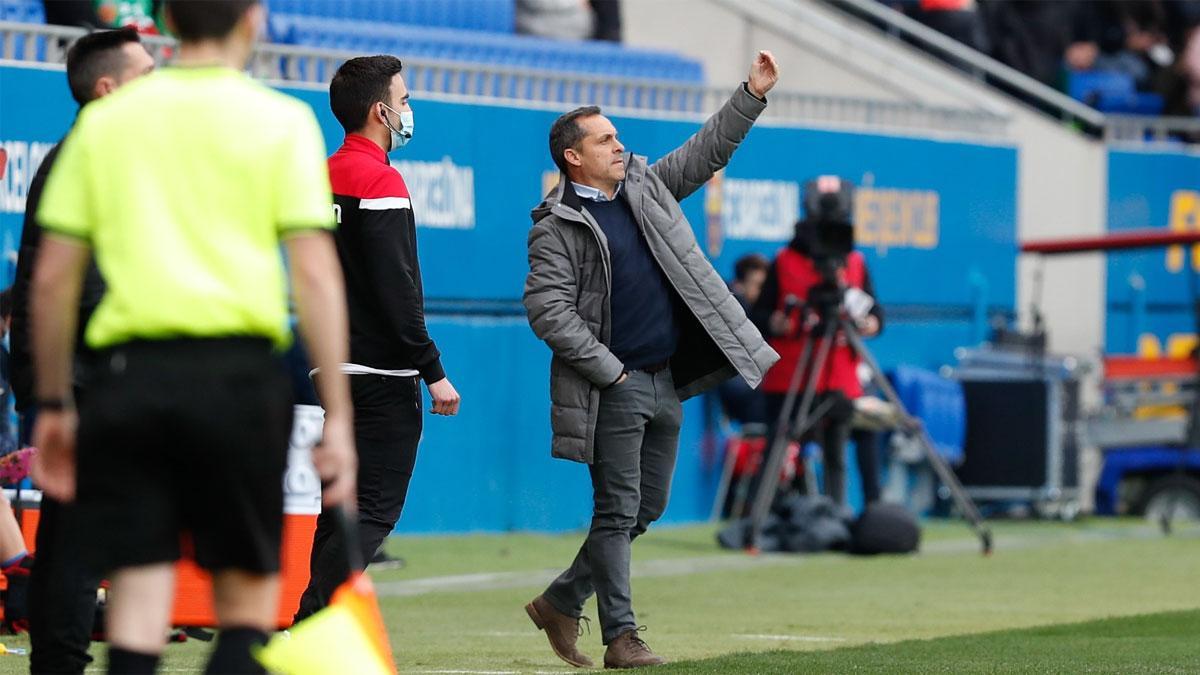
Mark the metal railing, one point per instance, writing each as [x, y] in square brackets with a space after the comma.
[1111, 127]
[793, 20]
[980, 66]
[1144, 130]
[454, 80]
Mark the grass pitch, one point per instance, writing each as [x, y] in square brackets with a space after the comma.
[1097, 596]
[1152, 643]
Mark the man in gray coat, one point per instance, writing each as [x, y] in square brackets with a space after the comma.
[637, 320]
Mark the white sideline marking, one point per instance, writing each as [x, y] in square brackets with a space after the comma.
[507, 580]
[101, 669]
[467, 672]
[488, 672]
[795, 638]
[672, 567]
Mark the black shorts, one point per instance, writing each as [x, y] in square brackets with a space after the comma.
[184, 440]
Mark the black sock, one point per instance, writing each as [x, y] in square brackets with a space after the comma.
[126, 662]
[232, 655]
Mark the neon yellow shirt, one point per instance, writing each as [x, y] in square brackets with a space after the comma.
[183, 183]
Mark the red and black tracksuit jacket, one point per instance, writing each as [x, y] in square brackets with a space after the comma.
[377, 244]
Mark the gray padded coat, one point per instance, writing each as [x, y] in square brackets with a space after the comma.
[569, 283]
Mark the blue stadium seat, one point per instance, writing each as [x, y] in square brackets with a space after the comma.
[1112, 92]
[940, 405]
[22, 11]
[25, 11]
[280, 29]
[498, 49]
[481, 15]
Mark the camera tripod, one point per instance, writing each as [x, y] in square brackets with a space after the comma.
[795, 420]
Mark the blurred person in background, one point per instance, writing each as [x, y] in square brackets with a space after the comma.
[794, 274]
[556, 19]
[637, 320]
[608, 20]
[959, 19]
[749, 273]
[1190, 69]
[1182, 91]
[77, 13]
[1029, 35]
[739, 401]
[16, 564]
[15, 561]
[867, 448]
[62, 590]
[8, 430]
[144, 16]
[1121, 37]
[570, 19]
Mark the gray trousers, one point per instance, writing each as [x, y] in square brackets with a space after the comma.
[637, 439]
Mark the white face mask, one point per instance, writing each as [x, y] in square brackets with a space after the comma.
[401, 136]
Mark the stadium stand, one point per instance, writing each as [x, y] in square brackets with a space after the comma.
[1118, 57]
[474, 31]
[478, 46]
[1125, 72]
[1114, 92]
[480, 15]
[540, 82]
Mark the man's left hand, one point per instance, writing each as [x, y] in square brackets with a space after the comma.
[764, 73]
[54, 463]
[869, 327]
[445, 398]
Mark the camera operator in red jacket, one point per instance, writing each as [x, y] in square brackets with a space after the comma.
[817, 275]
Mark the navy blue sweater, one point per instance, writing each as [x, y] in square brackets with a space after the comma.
[644, 329]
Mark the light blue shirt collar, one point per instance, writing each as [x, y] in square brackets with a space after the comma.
[589, 192]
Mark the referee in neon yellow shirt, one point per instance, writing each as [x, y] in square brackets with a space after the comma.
[183, 185]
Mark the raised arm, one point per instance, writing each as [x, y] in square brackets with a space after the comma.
[690, 165]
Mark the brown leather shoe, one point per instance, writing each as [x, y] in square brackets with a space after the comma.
[628, 651]
[562, 630]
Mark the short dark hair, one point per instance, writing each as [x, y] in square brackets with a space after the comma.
[749, 263]
[93, 56]
[359, 84]
[566, 133]
[194, 20]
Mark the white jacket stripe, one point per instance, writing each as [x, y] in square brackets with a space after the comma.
[384, 203]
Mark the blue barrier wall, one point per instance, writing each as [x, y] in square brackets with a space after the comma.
[935, 219]
[1150, 292]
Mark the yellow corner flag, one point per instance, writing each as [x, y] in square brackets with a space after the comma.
[348, 636]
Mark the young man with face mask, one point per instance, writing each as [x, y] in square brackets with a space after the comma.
[390, 348]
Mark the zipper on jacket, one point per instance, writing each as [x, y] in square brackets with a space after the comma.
[674, 286]
[604, 257]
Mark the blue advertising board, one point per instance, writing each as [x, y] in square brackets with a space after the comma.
[1150, 293]
[936, 220]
